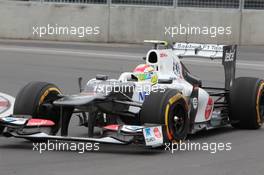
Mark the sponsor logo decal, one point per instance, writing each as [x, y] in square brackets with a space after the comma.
[142, 96]
[209, 108]
[148, 132]
[40, 122]
[14, 120]
[177, 69]
[192, 46]
[229, 56]
[112, 127]
[163, 55]
[195, 103]
[157, 133]
[153, 136]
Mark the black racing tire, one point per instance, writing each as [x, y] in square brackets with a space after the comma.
[247, 103]
[162, 108]
[30, 97]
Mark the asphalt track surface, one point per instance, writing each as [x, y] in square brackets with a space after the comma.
[62, 63]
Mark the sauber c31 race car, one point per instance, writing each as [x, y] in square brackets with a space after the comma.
[159, 102]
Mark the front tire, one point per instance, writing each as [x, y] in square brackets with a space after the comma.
[168, 109]
[32, 96]
[247, 103]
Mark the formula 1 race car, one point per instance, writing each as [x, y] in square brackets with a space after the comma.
[159, 102]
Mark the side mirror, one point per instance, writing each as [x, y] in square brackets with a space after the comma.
[165, 81]
[101, 77]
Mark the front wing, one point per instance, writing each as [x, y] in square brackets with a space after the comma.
[28, 128]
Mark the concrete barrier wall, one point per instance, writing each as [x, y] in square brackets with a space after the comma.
[17, 20]
[129, 24]
[252, 27]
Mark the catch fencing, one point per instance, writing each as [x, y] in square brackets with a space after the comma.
[231, 4]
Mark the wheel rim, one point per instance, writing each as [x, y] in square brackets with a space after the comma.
[177, 121]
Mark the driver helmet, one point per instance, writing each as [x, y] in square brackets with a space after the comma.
[145, 72]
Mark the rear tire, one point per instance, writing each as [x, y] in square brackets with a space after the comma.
[30, 98]
[168, 109]
[247, 103]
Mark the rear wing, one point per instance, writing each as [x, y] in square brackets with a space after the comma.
[227, 53]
